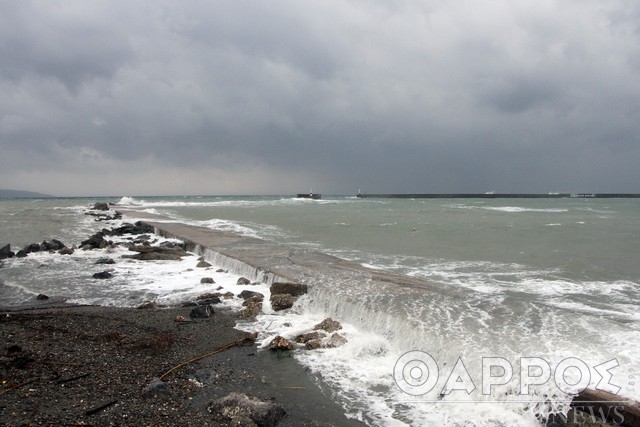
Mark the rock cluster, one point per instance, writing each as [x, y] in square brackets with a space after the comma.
[313, 340]
[46, 246]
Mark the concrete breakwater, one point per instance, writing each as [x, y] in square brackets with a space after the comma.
[268, 261]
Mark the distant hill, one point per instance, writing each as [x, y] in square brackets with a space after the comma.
[19, 194]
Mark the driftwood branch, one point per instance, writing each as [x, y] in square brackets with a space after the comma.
[101, 407]
[247, 340]
[16, 386]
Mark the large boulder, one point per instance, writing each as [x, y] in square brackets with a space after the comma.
[33, 247]
[5, 251]
[201, 312]
[156, 388]
[66, 251]
[335, 340]
[328, 325]
[212, 301]
[246, 294]
[253, 300]
[293, 289]
[305, 338]
[280, 343]
[208, 295]
[103, 275]
[243, 281]
[128, 228]
[251, 310]
[154, 253]
[94, 242]
[281, 302]
[238, 409]
[148, 305]
[100, 206]
[53, 245]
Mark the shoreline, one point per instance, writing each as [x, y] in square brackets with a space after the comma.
[61, 363]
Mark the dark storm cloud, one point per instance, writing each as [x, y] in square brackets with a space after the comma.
[249, 96]
[55, 44]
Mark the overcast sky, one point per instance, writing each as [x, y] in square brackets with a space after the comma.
[168, 97]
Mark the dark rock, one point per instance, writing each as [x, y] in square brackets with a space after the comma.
[21, 254]
[220, 270]
[212, 300]
[66, 251]
[156, 388]
[328, 325]
[253, 300]
[42, 297]
[5, 250]
[203, 264]
[237, 409]
[156, 256]
[313, 344]
[305, 338]
[335, 340]
[242, 281]
[173, 245]
[147, 305]
[208, 280]
[102, 275]
[154, 253]
[293, 289]
[53, 245]
[248, 294]
[281, 302]
[209, 295]
[93, 242]
[137, 228]
[189, 304]
[280, 343]
[101, 206]
[105, 261]
[33, 247]
[144, 238]
[201, 312]
[228, 295]
[251, 310]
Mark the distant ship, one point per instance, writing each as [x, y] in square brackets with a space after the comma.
[309, 195]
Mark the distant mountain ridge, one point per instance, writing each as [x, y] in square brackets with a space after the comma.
[20, 194]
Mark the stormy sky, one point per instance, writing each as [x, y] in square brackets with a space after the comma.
[155, 97]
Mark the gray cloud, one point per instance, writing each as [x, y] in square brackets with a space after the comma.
[249, 96]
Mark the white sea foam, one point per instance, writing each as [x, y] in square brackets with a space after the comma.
[518, 209]
[129, 201]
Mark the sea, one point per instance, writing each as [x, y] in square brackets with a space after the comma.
[525, 301]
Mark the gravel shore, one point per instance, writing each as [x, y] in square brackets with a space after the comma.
[89, 365]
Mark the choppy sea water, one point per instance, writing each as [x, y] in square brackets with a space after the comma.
[548, 282]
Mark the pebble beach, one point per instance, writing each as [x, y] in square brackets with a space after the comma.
[88, 365]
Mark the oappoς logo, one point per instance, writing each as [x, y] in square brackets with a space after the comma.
[417, 373]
